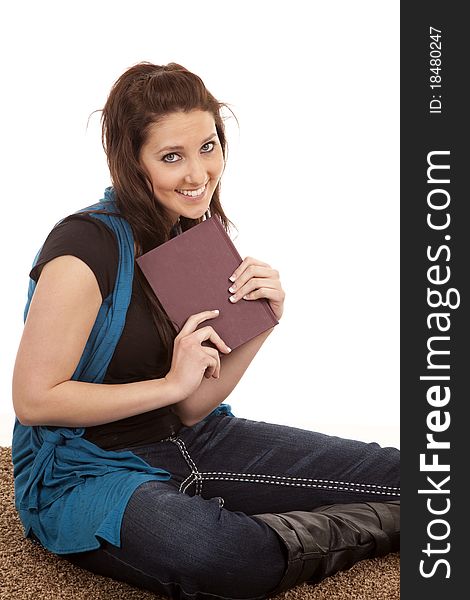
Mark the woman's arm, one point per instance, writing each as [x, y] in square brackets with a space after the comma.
[62, 312]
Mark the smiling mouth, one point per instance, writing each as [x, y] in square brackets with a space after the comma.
[193, 193]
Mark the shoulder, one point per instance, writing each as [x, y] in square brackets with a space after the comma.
[89, 239]
[87, 225]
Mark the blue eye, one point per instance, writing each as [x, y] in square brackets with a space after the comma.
[167, 155]
[212, 144]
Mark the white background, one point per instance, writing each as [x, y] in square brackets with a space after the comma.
[312, 181]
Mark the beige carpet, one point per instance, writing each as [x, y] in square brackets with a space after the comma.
[28, 572]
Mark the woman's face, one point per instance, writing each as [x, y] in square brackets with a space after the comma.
[183, 157]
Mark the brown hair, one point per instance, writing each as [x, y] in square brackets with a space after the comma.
[139, 98]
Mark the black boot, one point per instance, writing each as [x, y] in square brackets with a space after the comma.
[333, 538]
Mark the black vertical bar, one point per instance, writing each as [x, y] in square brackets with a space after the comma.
[435, 253]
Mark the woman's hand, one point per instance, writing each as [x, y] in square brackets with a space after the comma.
[191, 361]
[254, 279]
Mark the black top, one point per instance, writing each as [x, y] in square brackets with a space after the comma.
[139, 352]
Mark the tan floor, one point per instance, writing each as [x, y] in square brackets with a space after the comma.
[28, 572]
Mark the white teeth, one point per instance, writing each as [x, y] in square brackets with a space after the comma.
[192, 193]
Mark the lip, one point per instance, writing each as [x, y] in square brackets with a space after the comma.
[193, 198]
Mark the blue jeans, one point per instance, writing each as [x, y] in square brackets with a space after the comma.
[195, 537]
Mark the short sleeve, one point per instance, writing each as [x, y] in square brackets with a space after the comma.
[90, 240]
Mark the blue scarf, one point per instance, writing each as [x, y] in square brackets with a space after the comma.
[57, 472]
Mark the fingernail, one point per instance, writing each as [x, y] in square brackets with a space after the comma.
[232, 278]
[231, 289]
[232, 298]
[216, 310]
[229, 349]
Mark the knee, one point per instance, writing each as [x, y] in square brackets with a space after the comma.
[238, 557]
[202, 547]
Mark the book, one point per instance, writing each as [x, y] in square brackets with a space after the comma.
[190, 274]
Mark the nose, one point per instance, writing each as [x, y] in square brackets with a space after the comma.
[196, 172]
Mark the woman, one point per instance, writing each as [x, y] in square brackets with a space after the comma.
[126, 461]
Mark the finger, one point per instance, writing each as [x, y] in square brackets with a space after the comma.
[213, 368]
[269, 293]
[255, 284]
[252, 272]
[249, 260]
[194, 320]
[208, 333]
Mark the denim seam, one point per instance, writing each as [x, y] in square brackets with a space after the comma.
[188, 482]
[375, 485]
[189, 477]
[194, 476]
[299, 482]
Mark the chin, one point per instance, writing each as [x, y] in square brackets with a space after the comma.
[194, 214]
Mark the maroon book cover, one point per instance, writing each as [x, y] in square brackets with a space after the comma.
[190, 274]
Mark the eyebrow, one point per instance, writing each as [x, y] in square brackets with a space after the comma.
[173, 148]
